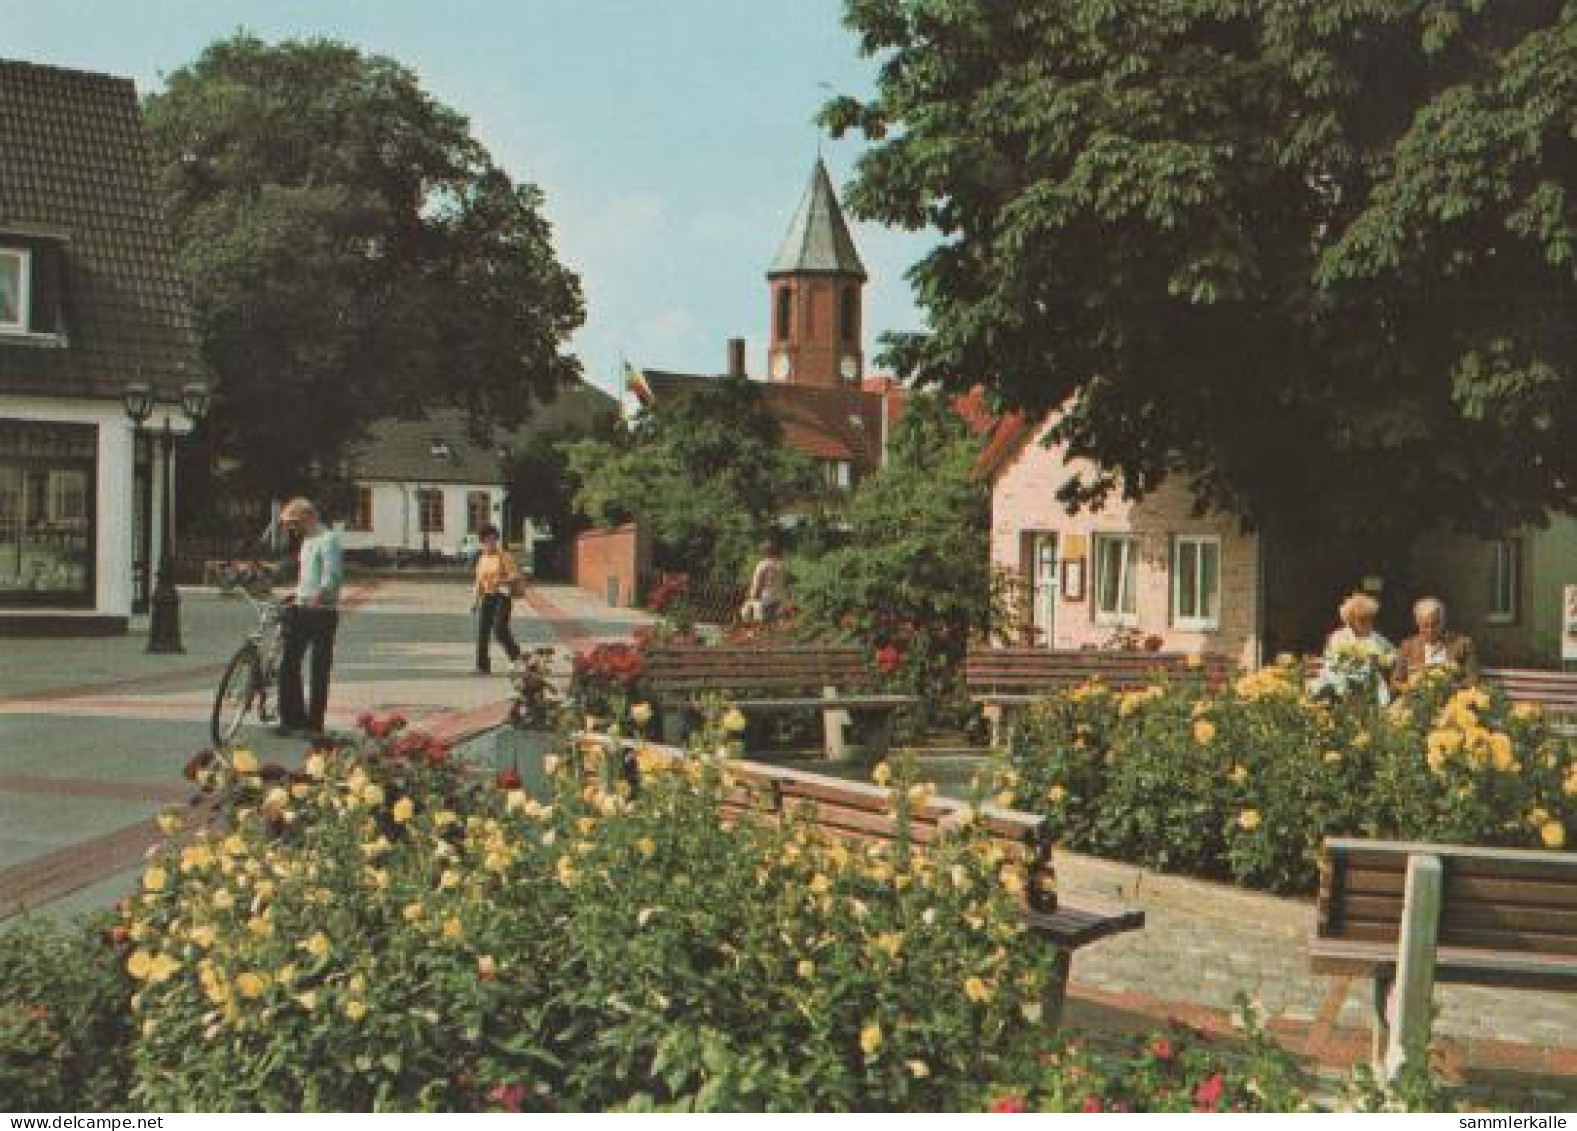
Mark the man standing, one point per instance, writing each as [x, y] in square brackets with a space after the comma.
[1433, 647]
[311, 622]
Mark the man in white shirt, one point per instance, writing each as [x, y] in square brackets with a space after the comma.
[311, 621]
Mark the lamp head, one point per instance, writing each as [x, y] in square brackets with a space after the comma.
[138, 399]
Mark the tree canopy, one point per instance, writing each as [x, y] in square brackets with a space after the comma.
[1317, 258]
[706, 471]
[353, 252]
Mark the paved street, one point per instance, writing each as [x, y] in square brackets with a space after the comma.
[93, 733]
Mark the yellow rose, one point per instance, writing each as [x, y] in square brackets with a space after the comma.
[1333, 757]
[203, 936]
[169, 824]
[819, 884]
[452, 928]
[403, 810]
[223, 899]
[919, 1069]
[372, 794]
[411, 912]
[317, 946]
[871, 1039]
[646, 846]
[1204, 731]
[1553, 834]
[1056, 794]
[976, 990]
[251, 985]
[162, 969]
[308, 1001]
[1238, 775]
[355, 1009]
[881, 775]
[1248, 820]
[244, 762]
[641, 713]
[139, 963]
[805, 969]
[486, 965]
[734, 721]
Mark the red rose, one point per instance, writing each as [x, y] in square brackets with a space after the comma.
[888, 658]
[397, 721]
[1010, 1104]
[1162, 1048]
[364, 720]
[509, 1097]
[507, 779]
[1091, 1104]
[377, 728]
[1208, 1094]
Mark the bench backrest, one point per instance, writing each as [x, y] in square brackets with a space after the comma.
[863, 813]
[1555, 691]
[1499, 899]
[687, 670]
[1027, 670]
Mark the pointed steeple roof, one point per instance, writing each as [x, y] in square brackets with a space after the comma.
[818, 239]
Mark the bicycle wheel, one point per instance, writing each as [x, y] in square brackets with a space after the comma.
[237, 692]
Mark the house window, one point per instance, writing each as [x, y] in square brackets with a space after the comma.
[1504, 578]
[47, 535]
[361, 513]
[848, 314]
[1116, 601]
[1196, 582]
[430, 502]
[478, 510]
[838, 474]
[785, 313]
[14, 297]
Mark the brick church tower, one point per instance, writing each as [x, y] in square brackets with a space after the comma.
[815, 285]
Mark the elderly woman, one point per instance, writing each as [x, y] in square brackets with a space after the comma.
[1355, 654]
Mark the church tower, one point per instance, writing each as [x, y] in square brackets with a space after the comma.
[815, 285]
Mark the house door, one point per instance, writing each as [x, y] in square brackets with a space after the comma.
[1044, 606]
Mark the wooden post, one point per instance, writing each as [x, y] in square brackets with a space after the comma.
[832, 723]
[1055, 994]
[1415, 965]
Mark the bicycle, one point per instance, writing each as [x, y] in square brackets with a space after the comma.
[250, 675]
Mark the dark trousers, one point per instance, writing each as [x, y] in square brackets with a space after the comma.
[492, 619]
[306, 627]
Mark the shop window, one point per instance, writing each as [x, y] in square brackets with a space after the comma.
[48, 474]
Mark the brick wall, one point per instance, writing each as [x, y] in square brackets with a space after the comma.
[1024, 501]
[611, 563]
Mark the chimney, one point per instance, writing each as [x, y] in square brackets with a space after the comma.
[736, 357]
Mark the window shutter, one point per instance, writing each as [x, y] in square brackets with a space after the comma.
[48, 292]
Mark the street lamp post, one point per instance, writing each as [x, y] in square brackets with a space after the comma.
[504, 483]
[138, 399]
[164, 627]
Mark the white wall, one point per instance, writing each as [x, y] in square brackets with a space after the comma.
[396, 518]
[116, 484]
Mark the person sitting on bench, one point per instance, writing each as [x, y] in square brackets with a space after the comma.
[1432, 646]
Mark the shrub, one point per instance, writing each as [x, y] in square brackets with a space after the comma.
[65, 1029]
[1247, 783]
[383, 932]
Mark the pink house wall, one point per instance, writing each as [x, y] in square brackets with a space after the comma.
[1024, 500]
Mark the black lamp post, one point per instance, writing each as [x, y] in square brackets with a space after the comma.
[138, 399]
[504, 482]
[164, 627]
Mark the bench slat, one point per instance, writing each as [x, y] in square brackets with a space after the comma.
[1453, 964]
[1529, 893]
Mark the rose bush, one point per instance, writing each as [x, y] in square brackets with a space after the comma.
[1246, 783]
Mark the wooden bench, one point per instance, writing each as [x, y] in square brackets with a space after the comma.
[834, 679]
[1410, 915]
[1003, 678]
[863, 814]
[1553, 692]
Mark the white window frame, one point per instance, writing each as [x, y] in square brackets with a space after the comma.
[24, 260]
[1127, 582]
[1211, 620]
[1505, 579]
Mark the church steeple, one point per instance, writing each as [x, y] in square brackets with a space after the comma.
[815, 284]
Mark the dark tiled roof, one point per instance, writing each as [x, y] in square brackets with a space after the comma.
[820, 422]
[818, 240]
[74, 168]
[403, 451]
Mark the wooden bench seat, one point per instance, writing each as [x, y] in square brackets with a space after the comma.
[1413, 914]
[835, 679]
[864, 813]
[1002, 678]
[1555, 693]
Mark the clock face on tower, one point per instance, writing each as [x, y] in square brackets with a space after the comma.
[782, 367]
[849, 368]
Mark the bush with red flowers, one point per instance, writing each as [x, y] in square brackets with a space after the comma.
[605, 680]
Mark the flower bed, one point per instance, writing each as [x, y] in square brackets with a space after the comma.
[1247, 783]
[385, 930]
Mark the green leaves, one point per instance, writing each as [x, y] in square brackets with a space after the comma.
[1238, 230]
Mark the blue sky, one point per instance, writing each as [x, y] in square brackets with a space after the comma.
[672, 137]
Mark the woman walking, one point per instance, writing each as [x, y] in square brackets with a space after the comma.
[492, 602]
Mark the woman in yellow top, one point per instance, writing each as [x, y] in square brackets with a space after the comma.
[491, 598]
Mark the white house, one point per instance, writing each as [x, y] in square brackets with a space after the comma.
[91, 301]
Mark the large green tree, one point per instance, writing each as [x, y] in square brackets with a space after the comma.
[1315, 257]
[706, 471]
[353, 252]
